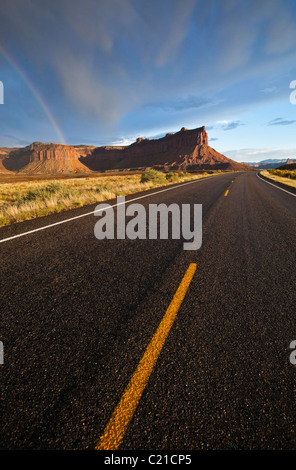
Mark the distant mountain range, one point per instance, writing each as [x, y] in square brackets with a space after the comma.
[183, 150]
[271, 163]
[288, 166]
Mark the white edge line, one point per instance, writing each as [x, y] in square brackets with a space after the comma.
[94, 211]
[275, 186]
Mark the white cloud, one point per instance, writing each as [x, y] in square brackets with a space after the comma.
[88, 92]
[228, 125]
[178, 28]
[256, 155]
[113, 58]
[271, 89]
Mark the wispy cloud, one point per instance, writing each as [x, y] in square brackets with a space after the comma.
[281, 122]
[232, 125]
[259, 154]
[228, 125]
[268, 90]
[179, 15]
[124, 64]
[16, 141]
[181, 104]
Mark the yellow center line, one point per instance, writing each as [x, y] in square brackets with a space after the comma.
[226, 192]
[123, 413]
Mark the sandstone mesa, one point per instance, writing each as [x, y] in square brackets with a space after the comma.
[183, 150]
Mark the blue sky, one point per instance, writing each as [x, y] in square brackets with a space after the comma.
[104, 72]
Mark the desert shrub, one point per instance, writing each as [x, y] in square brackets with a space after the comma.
[33, 194]
[153, 176]
[171, 176]
[54, 187]
[283, 173]
[183, 174]
[43, 193]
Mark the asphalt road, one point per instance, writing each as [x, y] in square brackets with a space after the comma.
[77, 315]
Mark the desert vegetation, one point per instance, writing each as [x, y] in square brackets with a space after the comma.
[284, 173]
[30, 199]
[282, 176]
[158, 177]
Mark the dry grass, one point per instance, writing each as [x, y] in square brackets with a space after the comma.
[281, 179]
[27, 200]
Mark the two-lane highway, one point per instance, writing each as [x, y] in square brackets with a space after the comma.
[78, 315]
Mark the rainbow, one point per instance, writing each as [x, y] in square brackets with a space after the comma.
[36, 94]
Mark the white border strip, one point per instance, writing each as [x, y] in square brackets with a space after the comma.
[99, 202]
[275, 186]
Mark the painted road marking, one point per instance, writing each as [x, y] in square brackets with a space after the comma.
[115, 429]
[93, 212]
[226, 192]
[275, 186]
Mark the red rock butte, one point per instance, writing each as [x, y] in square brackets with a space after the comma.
[183, 150]
[186, 149]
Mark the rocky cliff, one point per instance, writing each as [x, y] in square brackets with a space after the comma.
[186, 149]
[4, 158]
[45, 158]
